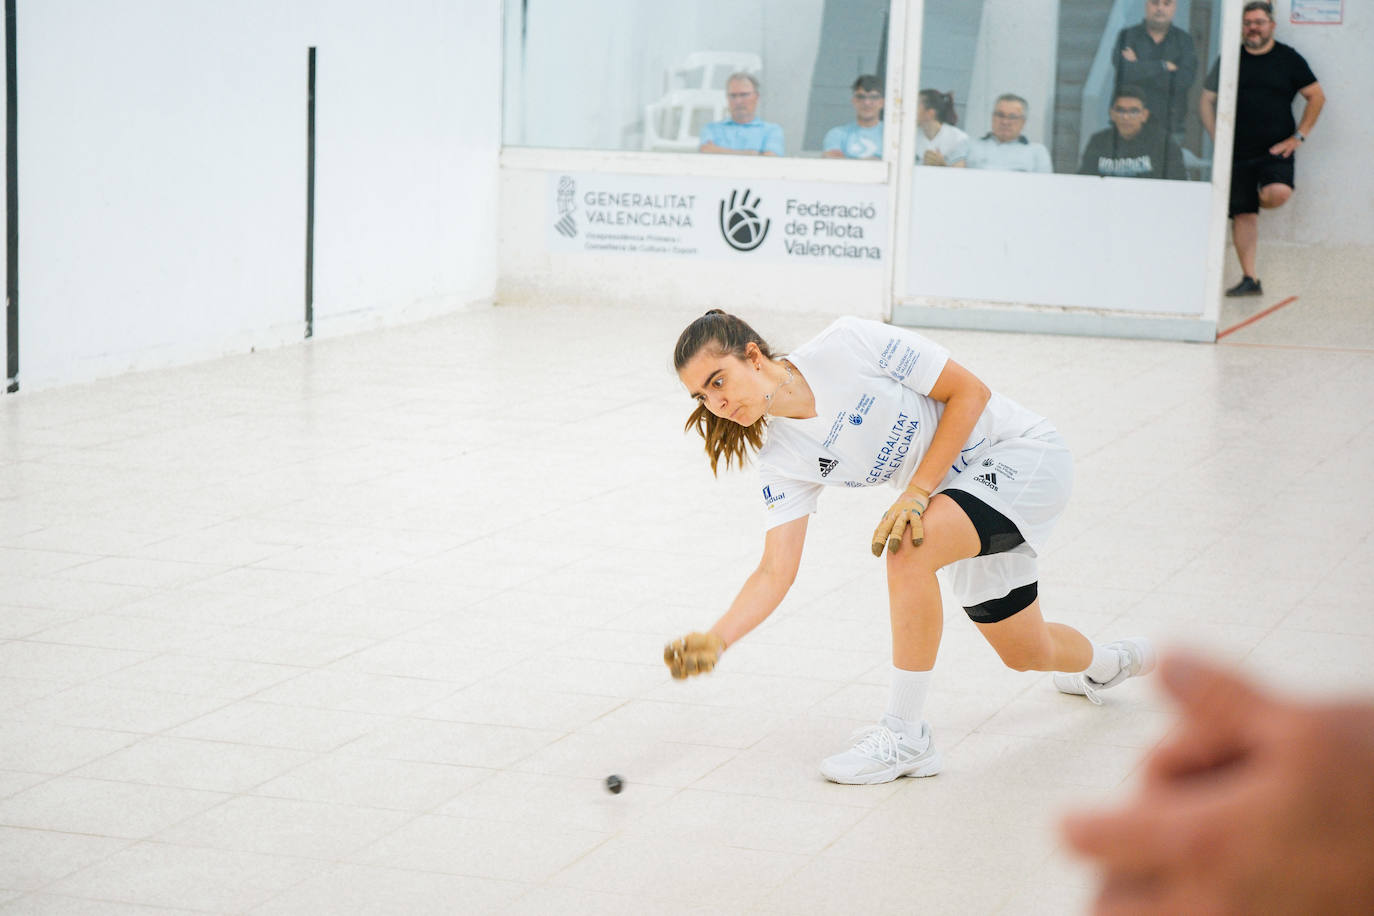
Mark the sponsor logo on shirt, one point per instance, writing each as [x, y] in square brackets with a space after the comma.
[988, 480]
[855, 420]
[903, 364]
[769, 497]
[893, 452]
[827, 465]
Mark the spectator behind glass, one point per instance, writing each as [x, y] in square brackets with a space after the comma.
[743, 133]
[1255, 803]
[864, 138]
[1132, 147]
[1158, 57]
[1005, 147]
[938, 141]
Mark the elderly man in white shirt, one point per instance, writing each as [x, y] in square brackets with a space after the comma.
[1005, 147]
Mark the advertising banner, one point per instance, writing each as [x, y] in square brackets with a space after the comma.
[764, 220]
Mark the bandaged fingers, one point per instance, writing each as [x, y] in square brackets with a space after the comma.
[905, 514]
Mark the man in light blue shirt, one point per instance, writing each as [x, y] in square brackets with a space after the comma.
[1005, 147]
[864, 138]
[743, 133]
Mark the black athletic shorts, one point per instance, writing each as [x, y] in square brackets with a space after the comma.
[996, 534]
[1249, 175]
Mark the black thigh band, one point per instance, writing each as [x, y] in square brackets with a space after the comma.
[996, 533]
[998, 609]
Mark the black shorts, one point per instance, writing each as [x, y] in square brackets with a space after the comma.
[1249, 175]
[996, 534]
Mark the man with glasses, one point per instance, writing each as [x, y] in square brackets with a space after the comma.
[743, 133]
[1262, 160]
[1005, 147]
[1130, 148]
[864, 138]
[1158, 57]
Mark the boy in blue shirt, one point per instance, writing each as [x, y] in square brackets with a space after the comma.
[864, 138]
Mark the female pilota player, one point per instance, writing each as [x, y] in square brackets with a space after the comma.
[864, 404]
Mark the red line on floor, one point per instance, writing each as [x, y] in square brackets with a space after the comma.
[1253, 318]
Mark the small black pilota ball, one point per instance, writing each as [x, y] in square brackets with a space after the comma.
[614, 784]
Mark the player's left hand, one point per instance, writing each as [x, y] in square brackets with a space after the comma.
[1285, 148]
[906, 511]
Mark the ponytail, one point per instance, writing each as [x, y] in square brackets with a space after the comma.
[942, 103]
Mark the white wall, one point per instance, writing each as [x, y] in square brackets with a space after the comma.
[1334, 198]
[163, 173]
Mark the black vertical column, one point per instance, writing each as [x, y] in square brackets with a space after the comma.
[11, 204]
[309, 197]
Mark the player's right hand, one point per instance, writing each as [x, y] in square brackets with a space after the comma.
[695, 653]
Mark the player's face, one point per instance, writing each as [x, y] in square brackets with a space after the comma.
[1160, 13]
[743, 99]
[1007, 120]
[730, 387]
[1129, 115]
[868, 104]
[1257, 29]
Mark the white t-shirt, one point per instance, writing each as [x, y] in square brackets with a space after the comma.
[949, 141]
[874, 419]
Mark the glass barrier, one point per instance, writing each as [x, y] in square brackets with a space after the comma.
[750, 77]
[1087, 88]
[1057, 142]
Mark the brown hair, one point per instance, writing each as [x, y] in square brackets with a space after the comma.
[942, 103]
[724, 334]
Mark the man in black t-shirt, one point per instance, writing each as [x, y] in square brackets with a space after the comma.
[1158, 56]
[1133, 147]
[1271, 73]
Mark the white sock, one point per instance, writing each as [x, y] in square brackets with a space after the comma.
[1106, 664]
[906, 699]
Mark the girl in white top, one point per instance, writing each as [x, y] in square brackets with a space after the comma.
[938, 141]
[865, 404]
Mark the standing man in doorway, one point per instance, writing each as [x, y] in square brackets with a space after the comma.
[1262, 163]
[1158, 56]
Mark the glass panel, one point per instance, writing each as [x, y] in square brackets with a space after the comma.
[1039, 86]
[647, 75]
[1028, 85]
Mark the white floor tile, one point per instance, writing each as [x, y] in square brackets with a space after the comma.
[32, 859]
[367, 891]
[285, 827]
[177, 877]
[73, 804]
[481, 849]
[366, 636]
[373, 783]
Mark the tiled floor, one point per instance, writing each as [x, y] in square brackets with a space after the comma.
[360, 626]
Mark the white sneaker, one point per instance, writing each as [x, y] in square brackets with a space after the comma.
[1137, 658]
[881, 754]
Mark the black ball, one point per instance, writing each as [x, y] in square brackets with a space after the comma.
[614, 784]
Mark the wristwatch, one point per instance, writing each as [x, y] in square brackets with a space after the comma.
[1299, 135]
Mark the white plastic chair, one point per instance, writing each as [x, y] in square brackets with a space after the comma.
[673, 123]
[715, 68]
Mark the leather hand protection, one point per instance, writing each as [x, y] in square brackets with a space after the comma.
[695, 653]
[906, 511]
